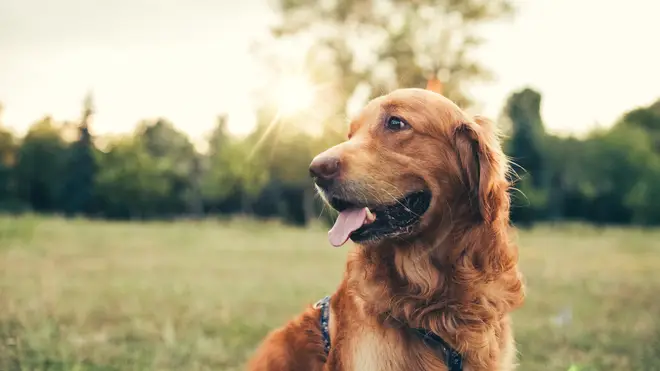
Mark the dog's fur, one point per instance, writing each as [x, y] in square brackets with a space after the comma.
[455, 274]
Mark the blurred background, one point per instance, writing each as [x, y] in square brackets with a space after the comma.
[157, 210]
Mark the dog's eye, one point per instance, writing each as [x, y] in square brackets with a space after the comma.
[396, 124]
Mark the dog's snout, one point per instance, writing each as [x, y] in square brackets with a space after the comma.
[324, 169]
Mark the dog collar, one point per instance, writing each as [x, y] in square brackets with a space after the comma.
[452, 358]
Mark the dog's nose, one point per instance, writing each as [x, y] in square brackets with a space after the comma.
[324, 169]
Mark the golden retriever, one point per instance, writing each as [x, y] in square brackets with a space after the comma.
[421, 190]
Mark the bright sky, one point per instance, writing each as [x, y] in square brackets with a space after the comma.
[189, 61]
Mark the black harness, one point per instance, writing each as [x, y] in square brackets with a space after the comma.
[452, 358]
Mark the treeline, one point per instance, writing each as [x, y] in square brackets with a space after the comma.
[155, 172]
[610, 177]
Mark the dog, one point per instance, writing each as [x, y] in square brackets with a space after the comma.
[421, 189]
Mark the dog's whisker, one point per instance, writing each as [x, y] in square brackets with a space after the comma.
[521, 193]
[400, 203]
[376, 193]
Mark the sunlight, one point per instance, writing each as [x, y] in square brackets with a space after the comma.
[294, 94]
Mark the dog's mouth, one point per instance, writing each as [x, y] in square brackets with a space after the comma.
[362, 223]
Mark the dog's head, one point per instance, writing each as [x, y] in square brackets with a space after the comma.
[412, 158]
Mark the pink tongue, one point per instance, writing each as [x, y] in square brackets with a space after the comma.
[347, 222]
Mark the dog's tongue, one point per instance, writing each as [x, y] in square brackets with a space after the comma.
[347, 222]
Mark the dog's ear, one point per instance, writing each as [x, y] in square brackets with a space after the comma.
[484, 166]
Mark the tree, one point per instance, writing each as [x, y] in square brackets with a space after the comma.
[176, 157]
[385, 45]
[130, 182]
[289, 159]
[220, 179]
[80, 168]
[644, 197]
[526, 149]
[569, 186]
[233, 171]
[7, 163]
[647, 119]
[613, 163]
[39, 166]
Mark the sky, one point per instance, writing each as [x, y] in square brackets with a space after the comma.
[189, 61]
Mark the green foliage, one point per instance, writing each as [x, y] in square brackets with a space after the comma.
[80, 169]
[611, 176]
[131, 183]
[39, 166]
[176, 159]
[526, 143]
[7, 162]
[9, 200]
[529, 203]
[644, 197]
[525, 148]
[232, 169]
[648, 119]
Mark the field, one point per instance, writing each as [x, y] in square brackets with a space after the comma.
[82, 295]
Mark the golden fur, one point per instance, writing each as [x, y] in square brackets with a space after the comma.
[456, 274]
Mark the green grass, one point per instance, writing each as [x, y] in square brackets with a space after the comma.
[83, 295]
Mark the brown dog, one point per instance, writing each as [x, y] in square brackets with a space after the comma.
[421, 189]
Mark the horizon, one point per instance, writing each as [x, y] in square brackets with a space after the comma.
[190, 64]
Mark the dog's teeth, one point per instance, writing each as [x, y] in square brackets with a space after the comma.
[370, 216]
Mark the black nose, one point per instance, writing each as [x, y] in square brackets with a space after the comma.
[324, 169]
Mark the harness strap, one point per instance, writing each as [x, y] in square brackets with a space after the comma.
[452, 358]
[324, 304]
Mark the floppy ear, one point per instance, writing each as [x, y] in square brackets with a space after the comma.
[484, 167]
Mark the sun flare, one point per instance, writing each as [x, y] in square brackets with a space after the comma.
[294, 94]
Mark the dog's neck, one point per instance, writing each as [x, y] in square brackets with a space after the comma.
[466, 277]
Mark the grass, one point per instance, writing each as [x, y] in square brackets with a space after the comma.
[82, 295]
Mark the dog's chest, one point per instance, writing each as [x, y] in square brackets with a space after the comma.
[374, 350]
